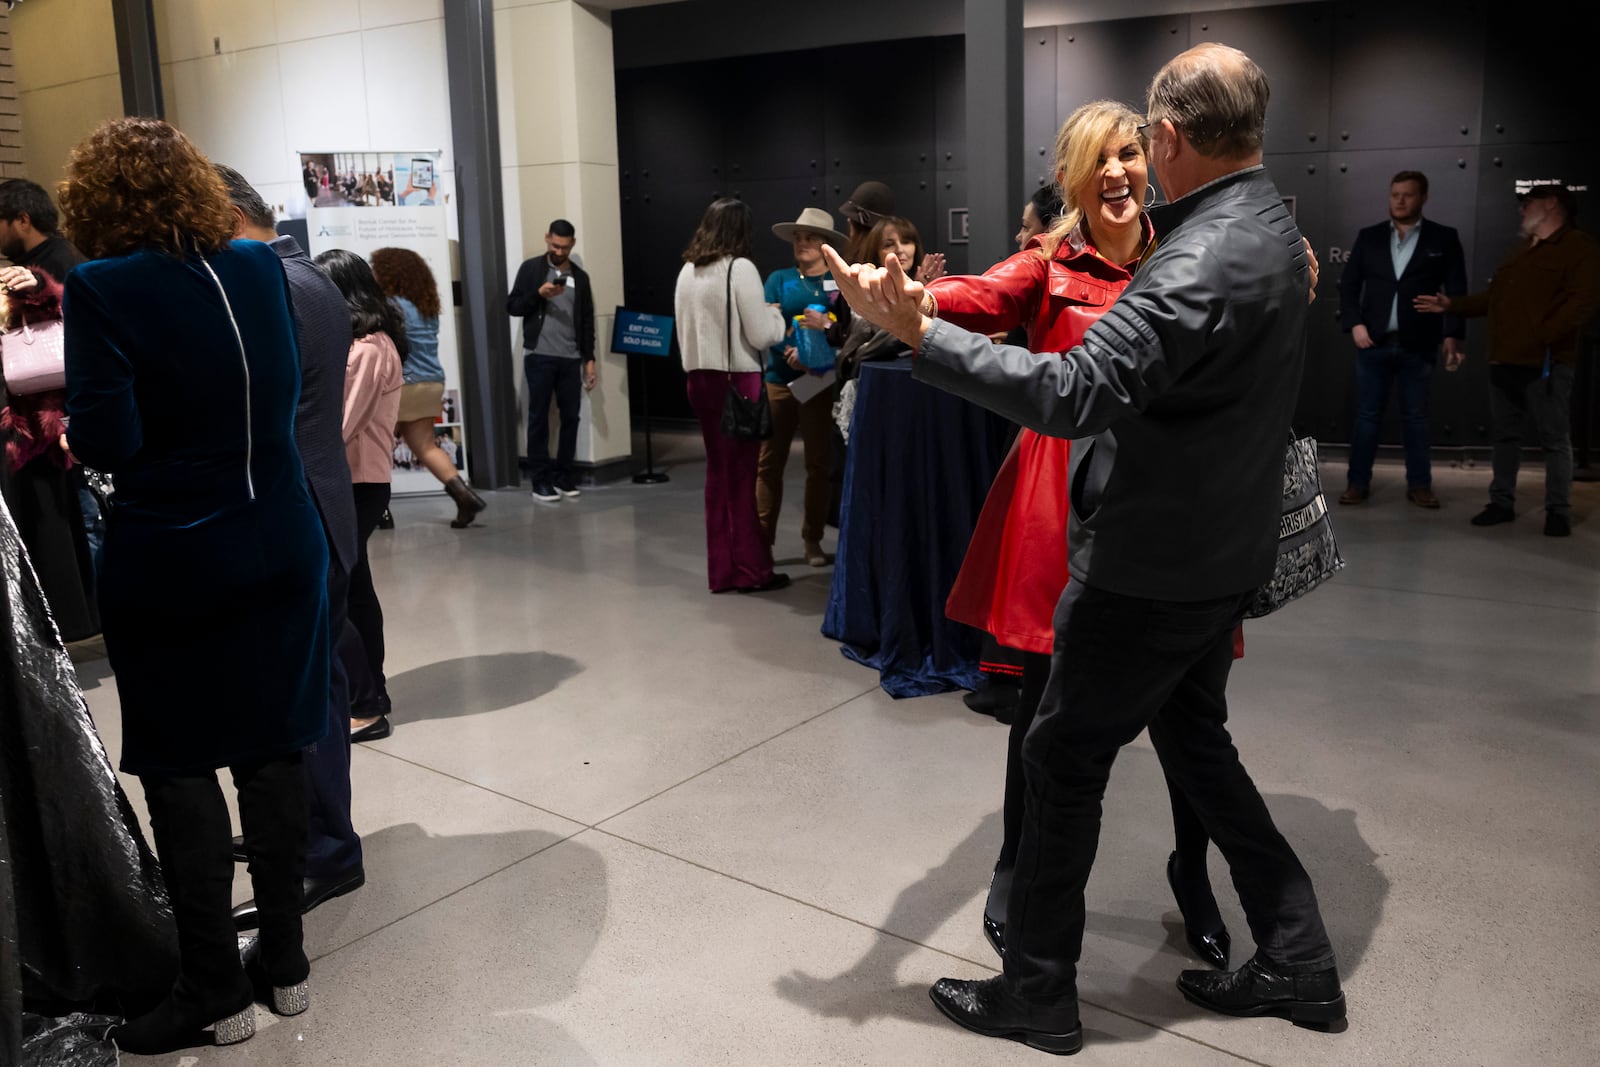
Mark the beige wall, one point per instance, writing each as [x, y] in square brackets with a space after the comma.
[64, 55]
[558, 146]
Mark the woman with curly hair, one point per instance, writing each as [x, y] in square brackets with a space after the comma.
[182, 377]
[408, 282]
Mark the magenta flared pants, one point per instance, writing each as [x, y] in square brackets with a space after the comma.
[737, 555]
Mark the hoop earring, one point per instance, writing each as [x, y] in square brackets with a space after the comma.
[1149, 196]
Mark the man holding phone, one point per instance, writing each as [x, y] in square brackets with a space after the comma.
[553, 297]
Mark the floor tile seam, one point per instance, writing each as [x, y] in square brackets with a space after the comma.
[1468, 596]
[440, 900]
[821, 909]
[477, 785]
[729, 759]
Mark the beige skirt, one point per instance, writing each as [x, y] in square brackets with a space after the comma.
[421, 400]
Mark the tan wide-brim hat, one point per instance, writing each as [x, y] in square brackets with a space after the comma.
[812, 220]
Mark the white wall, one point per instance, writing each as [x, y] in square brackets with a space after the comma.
[256, 82]
[64, 56]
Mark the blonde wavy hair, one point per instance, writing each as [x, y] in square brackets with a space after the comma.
[1078, 147]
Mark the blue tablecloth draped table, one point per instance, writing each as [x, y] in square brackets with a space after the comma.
[919, 466]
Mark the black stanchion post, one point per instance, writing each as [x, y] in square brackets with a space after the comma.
[648, 476]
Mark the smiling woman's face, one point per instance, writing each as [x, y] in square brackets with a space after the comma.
[1113, 195]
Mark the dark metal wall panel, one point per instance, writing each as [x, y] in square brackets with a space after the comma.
[1114, 60]
[949, 91]
[1294, 46]
[773, 123]
[950, 193]
[895, 131]
[673, 136]
[1534, 79]
[1039, 121]
[1407, 74]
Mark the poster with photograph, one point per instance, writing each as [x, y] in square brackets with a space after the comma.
[364, 201]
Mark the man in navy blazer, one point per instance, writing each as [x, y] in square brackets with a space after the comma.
[1391, 264]
[322, 329]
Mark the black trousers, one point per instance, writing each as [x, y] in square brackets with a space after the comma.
[332, 844]
[561, 378]
[1123, 664]
[361, 641]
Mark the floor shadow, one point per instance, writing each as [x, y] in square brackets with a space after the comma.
[871, 988]
[1351, 891]
[511, 987]
[469, 685]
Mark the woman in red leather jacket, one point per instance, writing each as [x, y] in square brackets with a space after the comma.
[1016, 566]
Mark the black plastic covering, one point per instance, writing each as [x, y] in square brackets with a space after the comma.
[84, 918]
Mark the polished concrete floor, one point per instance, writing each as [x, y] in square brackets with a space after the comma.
[622, 821]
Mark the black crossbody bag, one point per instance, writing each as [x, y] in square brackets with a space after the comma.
[743, 420]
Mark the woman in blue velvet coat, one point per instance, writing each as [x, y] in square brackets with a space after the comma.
[182, 378]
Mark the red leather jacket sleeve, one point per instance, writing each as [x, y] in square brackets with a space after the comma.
[1002, 299]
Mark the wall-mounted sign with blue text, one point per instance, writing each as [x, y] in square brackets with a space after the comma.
[641, 333]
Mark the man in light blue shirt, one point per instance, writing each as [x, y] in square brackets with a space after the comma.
[1391, 264]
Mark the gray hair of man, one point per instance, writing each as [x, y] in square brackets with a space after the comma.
[1217, 96]
[244, 196]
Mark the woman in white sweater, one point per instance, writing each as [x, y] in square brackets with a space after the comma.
[725, 327]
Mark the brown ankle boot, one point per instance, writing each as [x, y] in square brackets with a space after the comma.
[468, 503]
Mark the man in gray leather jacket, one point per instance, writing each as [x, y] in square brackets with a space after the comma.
[1184, 392]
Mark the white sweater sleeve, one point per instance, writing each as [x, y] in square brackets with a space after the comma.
[761, 324]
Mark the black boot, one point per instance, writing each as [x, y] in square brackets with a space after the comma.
[1306, 996]
[468, 503]
[272, 809]
[1202, 922]
[189, 822]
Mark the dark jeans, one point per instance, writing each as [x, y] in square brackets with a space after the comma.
[1514, 394]
[332, 844]
[1122, 664]
[361, 641]
[561, 378]
[1377, 370]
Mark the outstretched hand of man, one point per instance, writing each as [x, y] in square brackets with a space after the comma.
[885, 296]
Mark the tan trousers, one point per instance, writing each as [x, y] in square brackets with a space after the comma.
[815, 423]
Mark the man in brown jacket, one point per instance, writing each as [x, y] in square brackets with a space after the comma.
[1538, 303]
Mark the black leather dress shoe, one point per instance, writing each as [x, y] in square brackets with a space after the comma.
[996, 935]
[1260, 988]
[1494, 515]
[318, 891]
[1208, 937]
[995, 698]
[376, 730]
[988, 1008]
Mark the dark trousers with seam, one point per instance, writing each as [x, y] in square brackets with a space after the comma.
[1517, 395]
[561, 378]
[1378, 370]
[1122, 664]
[361, 641]
[193, 839]
[332, 844]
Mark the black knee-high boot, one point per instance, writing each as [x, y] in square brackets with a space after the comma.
[273, 813]
[193, 838]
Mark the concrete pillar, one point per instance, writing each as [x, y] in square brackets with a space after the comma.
[558, 148]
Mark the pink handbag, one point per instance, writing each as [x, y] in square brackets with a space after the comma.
[34, 358]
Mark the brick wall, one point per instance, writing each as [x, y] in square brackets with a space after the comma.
[10, 119]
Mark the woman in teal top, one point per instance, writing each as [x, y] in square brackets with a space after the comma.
[795, 290]
[406, 280]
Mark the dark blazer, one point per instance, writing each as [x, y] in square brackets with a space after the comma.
[322, 327]
[1367, 287]
[1185, 388]
[524, 300]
